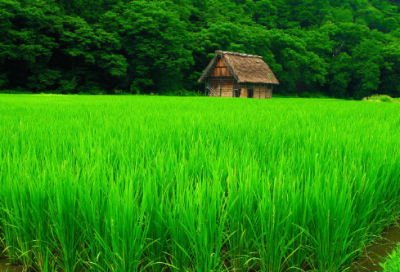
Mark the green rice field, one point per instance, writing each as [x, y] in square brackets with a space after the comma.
[145, 183]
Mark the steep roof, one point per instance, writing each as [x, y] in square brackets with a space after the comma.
[245, 68]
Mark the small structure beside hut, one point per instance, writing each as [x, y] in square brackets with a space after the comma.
[238, 75]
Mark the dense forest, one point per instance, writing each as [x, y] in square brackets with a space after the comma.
[339, 48]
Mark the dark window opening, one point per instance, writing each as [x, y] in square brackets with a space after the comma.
[250, 93]
[237, 92]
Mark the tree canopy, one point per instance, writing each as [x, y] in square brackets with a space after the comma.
[342, 48]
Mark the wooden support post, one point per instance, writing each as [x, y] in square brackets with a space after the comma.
[272, 88]
[220, 87]
[259, 91]
[265, 88]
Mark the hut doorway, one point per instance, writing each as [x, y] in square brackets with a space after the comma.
[250, 93]
[237, 92]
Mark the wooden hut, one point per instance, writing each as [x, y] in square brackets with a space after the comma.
[238, 75]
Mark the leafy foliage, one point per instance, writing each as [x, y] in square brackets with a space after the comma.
[392, 262]
[342, 48]
[380, 98]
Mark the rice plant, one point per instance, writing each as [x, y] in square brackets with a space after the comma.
[392, 262]
[132, 183]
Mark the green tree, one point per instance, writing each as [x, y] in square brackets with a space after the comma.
[340, 75]
[345, 48]
[297, 68]
[367, 59]
[154, 40]
[28, 31]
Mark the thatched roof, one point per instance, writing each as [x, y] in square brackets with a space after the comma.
[245, 68]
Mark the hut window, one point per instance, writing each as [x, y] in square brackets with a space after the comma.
[237, 92]
[250, 93]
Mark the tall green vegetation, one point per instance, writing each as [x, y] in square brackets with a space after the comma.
[140, 183]
[346, 48]
[392, 262]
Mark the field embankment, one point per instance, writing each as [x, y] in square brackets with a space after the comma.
[195, 184]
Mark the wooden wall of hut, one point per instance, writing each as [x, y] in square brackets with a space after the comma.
[222, 87]
[259, 92]
[243, 93]
[221, 80]
[221, 70]
[225, 88]
[269, 93]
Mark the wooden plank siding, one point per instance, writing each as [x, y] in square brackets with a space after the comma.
[243, 93]
[225, 87]
[222, 86]
[221, 70]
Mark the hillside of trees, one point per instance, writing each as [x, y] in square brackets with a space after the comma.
[340, 48]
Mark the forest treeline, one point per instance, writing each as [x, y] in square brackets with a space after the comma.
[341, 48]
